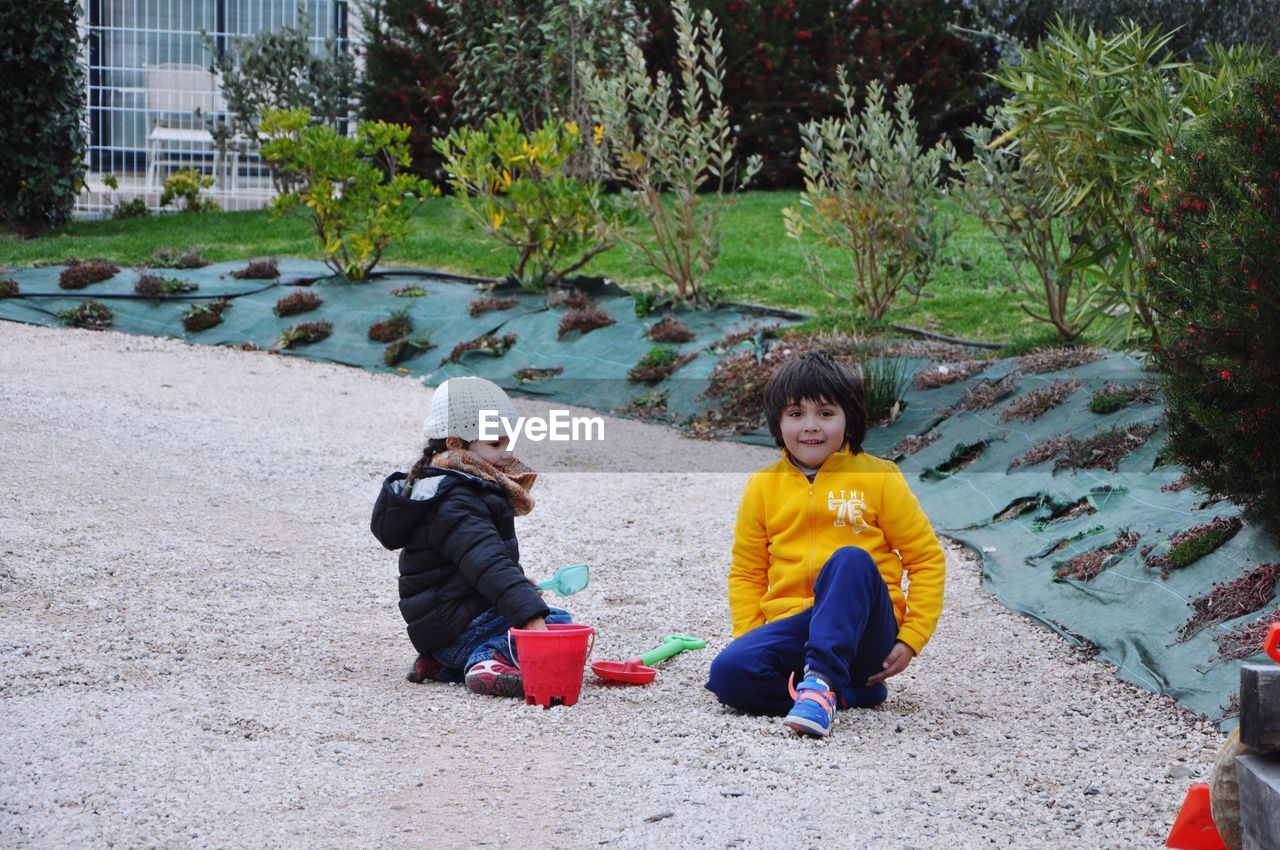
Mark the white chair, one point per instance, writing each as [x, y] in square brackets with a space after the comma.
[179, 98]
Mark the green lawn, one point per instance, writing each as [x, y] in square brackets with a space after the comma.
[967, 298]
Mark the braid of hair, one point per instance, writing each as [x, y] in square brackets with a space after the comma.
[433, 447]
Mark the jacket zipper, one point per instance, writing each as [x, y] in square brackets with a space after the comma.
[813, 536]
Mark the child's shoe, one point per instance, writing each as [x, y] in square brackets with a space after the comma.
[814, 709]
[423, 669]
[495, 678]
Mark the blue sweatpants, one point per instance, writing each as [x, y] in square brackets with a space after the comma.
[486, 635]
[845, 637]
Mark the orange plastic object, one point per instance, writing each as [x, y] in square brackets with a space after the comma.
[552, 662]
[1272, 643]
[1193, 829]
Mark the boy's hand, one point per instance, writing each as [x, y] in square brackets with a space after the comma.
[537, 624]
[899, 657]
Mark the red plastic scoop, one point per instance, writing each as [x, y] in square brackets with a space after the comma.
[636, 671]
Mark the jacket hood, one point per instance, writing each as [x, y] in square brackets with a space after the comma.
[400, 510]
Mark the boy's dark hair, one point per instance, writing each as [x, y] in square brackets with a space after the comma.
[817, 376]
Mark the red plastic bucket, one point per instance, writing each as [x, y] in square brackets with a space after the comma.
[551, 662]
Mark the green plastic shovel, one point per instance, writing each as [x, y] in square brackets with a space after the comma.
[567, 580]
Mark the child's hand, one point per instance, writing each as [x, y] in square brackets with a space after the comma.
[537, 624]
[899, 657]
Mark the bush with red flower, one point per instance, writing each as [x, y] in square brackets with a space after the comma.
[1215, 283]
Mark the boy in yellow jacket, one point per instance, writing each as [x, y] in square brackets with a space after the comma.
[823, 540]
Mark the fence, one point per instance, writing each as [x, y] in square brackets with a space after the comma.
[151, 95]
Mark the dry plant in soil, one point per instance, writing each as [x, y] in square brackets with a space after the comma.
[1036, 403]
[1103, 450]
[8, 288]
[530, 374]
[403, 349]
[396, 326]
[305, 333]
[299, 302]
[81, 273]
[489, 344]
[913, 443]
[201, 317]
[89, 314]
[1228, 600]
[258, 270]
[490, 303]
[157, 288]
[410, 291]
[670, 329]
[1087, 566]
[1187, 547]
[942, 374]
[584, 320]
[1043, 360]
[658, 365]
[984, 394]
[1245, 641]
[574, 299]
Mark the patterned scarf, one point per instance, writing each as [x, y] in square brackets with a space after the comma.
[516, 478]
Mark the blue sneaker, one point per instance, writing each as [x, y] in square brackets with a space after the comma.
[814, 709]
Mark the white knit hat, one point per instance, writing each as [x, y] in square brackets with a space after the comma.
[456, 406]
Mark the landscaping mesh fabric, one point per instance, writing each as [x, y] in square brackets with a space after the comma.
[1026, 521]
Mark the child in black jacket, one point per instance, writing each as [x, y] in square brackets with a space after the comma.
[453, 518]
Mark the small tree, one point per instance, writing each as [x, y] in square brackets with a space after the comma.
[662, 142]
[1011, 198]
[515, 186]
[870, 201]
[278, 70]
[1215, 285]
[353, 189]
[41, 114]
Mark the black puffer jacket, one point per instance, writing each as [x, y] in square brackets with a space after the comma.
[460, 555]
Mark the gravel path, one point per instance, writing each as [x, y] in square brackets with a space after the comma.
[199, 646]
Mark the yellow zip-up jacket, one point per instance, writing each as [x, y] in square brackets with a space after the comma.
[788, 527]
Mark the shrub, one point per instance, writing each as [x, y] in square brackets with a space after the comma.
[403, 349]
[666, 145]
[884, 383]
[515, 186]
[410, 74]
[8, 288]
[132, 208]
[258, 270]
[489, 303]
[396, 326]
[870, 198]
[175, 258]
[305, 333]
[277, 69]
[299, 302]
[658, 364]
[87, 314]
[1011, 198]
[784, 56]
[185, 185]
[155, 287]
[1096, 114]
[1187, 547]
[409, 292]
[78, 275]
[670, 329]
[201, 317]
[526, 57]
[1214, 282]
[42, 132]
[585, 320]
[355, 196]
